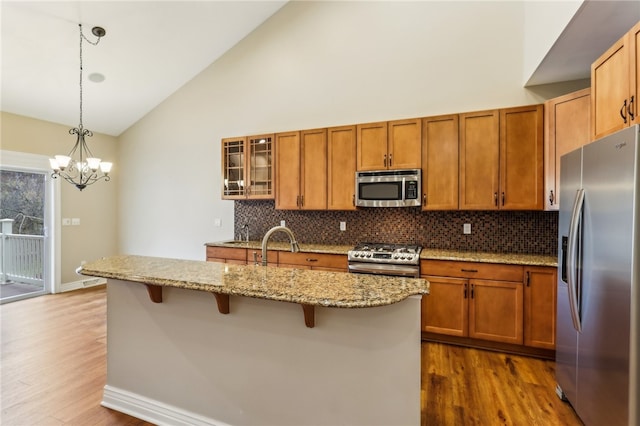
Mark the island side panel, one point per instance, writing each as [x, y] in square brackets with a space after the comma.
[260, 364]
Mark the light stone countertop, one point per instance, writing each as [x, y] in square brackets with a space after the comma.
[426, 253]
[316, 288]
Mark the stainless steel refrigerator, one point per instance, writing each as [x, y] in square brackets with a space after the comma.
[598, 317]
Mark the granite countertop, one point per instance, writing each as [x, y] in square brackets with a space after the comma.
[427, 253]
[317, 288]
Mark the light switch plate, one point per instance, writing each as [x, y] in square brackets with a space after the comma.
[283, 223]
[66, 221]
[217, 222]
[343, 226]
[75, 221]
[466, 228]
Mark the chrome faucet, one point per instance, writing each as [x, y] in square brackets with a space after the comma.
[246, 231]
[265, 240]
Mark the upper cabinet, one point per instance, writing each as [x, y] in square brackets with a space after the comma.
[341, 168]
[567, 127]
[389, 145]
[501, 159]
[440, 162]
[615, 78]
[301, 165]
[479, 160]
[247, 167]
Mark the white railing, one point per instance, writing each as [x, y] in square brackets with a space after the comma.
[21, 257]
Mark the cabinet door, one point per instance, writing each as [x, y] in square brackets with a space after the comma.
[341, 168]
[313, 169]
[405, 144]
[521, 158]
[610, 89]
[260, 167]
[445, 309]
[288, 170]
[233, 167]
[634, 71]
[495, 311]
[567, 128]
[540, 307]
[479, 165]
[440, 163]
[318, 261]
[372, 146]
[227, 255]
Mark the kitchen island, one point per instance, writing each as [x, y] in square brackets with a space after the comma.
[178, 355]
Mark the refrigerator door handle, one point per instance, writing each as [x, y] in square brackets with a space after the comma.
[572, 254]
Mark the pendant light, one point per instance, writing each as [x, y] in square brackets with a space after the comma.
[80, 167]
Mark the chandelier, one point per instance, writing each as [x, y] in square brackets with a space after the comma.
[80, 167]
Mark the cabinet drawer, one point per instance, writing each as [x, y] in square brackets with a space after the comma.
[491, 271]
[313, 260]
[227, 253]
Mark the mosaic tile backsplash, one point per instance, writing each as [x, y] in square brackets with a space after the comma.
[529, 232]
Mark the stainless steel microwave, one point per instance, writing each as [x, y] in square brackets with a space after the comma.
[388, 188]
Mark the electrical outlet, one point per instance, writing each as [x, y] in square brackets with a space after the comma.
[466, 228]
[75, 221]
[283, 223]
[217, 222]
[66, 221]
[343, 226]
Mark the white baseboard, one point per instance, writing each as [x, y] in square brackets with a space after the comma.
[151, 410]
[86, 283]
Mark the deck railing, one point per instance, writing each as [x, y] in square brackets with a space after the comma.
[21, 257]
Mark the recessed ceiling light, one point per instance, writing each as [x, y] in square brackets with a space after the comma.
[96, 77]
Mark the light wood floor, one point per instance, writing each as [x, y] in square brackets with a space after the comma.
[53, 369]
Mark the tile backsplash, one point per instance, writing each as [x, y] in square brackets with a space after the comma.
[531, 232]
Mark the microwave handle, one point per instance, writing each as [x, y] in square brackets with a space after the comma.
[404, 197]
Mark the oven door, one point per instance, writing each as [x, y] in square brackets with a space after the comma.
[385, 269]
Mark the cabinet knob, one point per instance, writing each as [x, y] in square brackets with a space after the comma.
[623, 111]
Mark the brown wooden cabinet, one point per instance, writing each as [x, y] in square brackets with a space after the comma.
[341, 168]
[501, 159]
[479, 160]
[567, 127]
[227, 255]
[615, 79]
[317, 261]
[465, 301]
[389, 145]
[301, 170]
[540, 296]
[247, 167]
[440, 162]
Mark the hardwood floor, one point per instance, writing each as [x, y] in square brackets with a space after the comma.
[53, 369]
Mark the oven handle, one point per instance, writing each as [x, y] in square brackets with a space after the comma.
[385, 269]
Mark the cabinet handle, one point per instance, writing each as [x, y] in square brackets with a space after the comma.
[469, 270]
[353, 199]
[503, 198]
[385, 157]
[390, 158]
[631, 107]
[551, 197]
[298, 201]
[495, 198]
[528, 279]
[623, 111]
[301, 200]
[472, 291]
[424, 199]
[465, 290]
[311, 259]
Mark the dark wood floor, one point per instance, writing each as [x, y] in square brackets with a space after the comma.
[53, 369]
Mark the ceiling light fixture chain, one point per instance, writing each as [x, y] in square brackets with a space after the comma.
[82, 170]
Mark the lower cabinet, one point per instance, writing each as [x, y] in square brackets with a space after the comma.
[239, 256]
[317, 261]
[478, 302]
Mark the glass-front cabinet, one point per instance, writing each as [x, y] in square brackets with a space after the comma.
[247, 167]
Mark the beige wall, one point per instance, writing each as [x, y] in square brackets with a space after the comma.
[96, 206]
[313, 64]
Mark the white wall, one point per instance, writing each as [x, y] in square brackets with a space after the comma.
[313, 64]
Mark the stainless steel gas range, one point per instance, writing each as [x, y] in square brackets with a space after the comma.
[385, 259]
